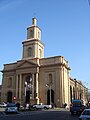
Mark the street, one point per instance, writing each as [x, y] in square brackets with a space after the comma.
[40, 115]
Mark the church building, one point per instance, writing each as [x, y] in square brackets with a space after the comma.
[35, 79]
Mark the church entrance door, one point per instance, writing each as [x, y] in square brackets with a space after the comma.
[48, 97]
[28, 96]
[9, 96]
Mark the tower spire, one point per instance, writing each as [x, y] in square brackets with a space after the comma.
[34, 21]
[33, 47]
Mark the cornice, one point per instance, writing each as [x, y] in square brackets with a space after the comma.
[33, 40]
[55, 64]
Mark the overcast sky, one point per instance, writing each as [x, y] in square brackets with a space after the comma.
[65, 26]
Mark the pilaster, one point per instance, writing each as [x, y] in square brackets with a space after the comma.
[17, 86]
[37, 97]
[20, 84]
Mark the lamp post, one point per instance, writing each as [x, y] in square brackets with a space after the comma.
[25, 90]
[28, 87]
[50, 94]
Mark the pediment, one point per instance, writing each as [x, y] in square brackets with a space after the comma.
[25, 63]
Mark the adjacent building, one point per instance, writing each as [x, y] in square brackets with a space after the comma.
[0, 92]
[78, 91]
[36, 79]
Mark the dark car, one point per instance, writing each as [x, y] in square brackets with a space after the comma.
[76, 107]
[85, 115]
[11, 108]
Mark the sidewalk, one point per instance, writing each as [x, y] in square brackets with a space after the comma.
[62, 109]
[2, 109]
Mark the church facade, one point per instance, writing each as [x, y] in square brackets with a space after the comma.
[35, 79]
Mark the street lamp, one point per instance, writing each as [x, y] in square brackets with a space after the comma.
[28, 86]
[25, 90]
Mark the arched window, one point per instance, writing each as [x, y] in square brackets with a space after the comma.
[31, 33]
[40, 53]
[74, 93]
[70, 93]
[50, 79]
[9, 82]
[29, 52]
[38, 35]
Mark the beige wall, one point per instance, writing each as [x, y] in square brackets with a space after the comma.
[47, 66]
[80, 90]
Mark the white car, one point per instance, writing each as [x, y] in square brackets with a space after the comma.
[85, 115]
[3, 105]
[41, 106]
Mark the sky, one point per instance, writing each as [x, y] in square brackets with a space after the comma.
[65, 26]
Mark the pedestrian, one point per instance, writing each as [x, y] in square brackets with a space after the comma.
[65, 105]
[18, 105]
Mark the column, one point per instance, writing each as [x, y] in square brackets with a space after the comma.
[20, 84]
[33, 85]
[37, 88]
[68, 87]
[16, 86]
[61, 87]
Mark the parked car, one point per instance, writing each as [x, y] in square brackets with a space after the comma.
[41, 106]
[85, 115]
[3, 105]
[11, 108]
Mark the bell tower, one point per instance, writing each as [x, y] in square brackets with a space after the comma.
[32, 46]
[33, 31]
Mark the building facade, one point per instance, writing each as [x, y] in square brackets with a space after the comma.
[78, 91]
[35, 79]
[0, 92]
